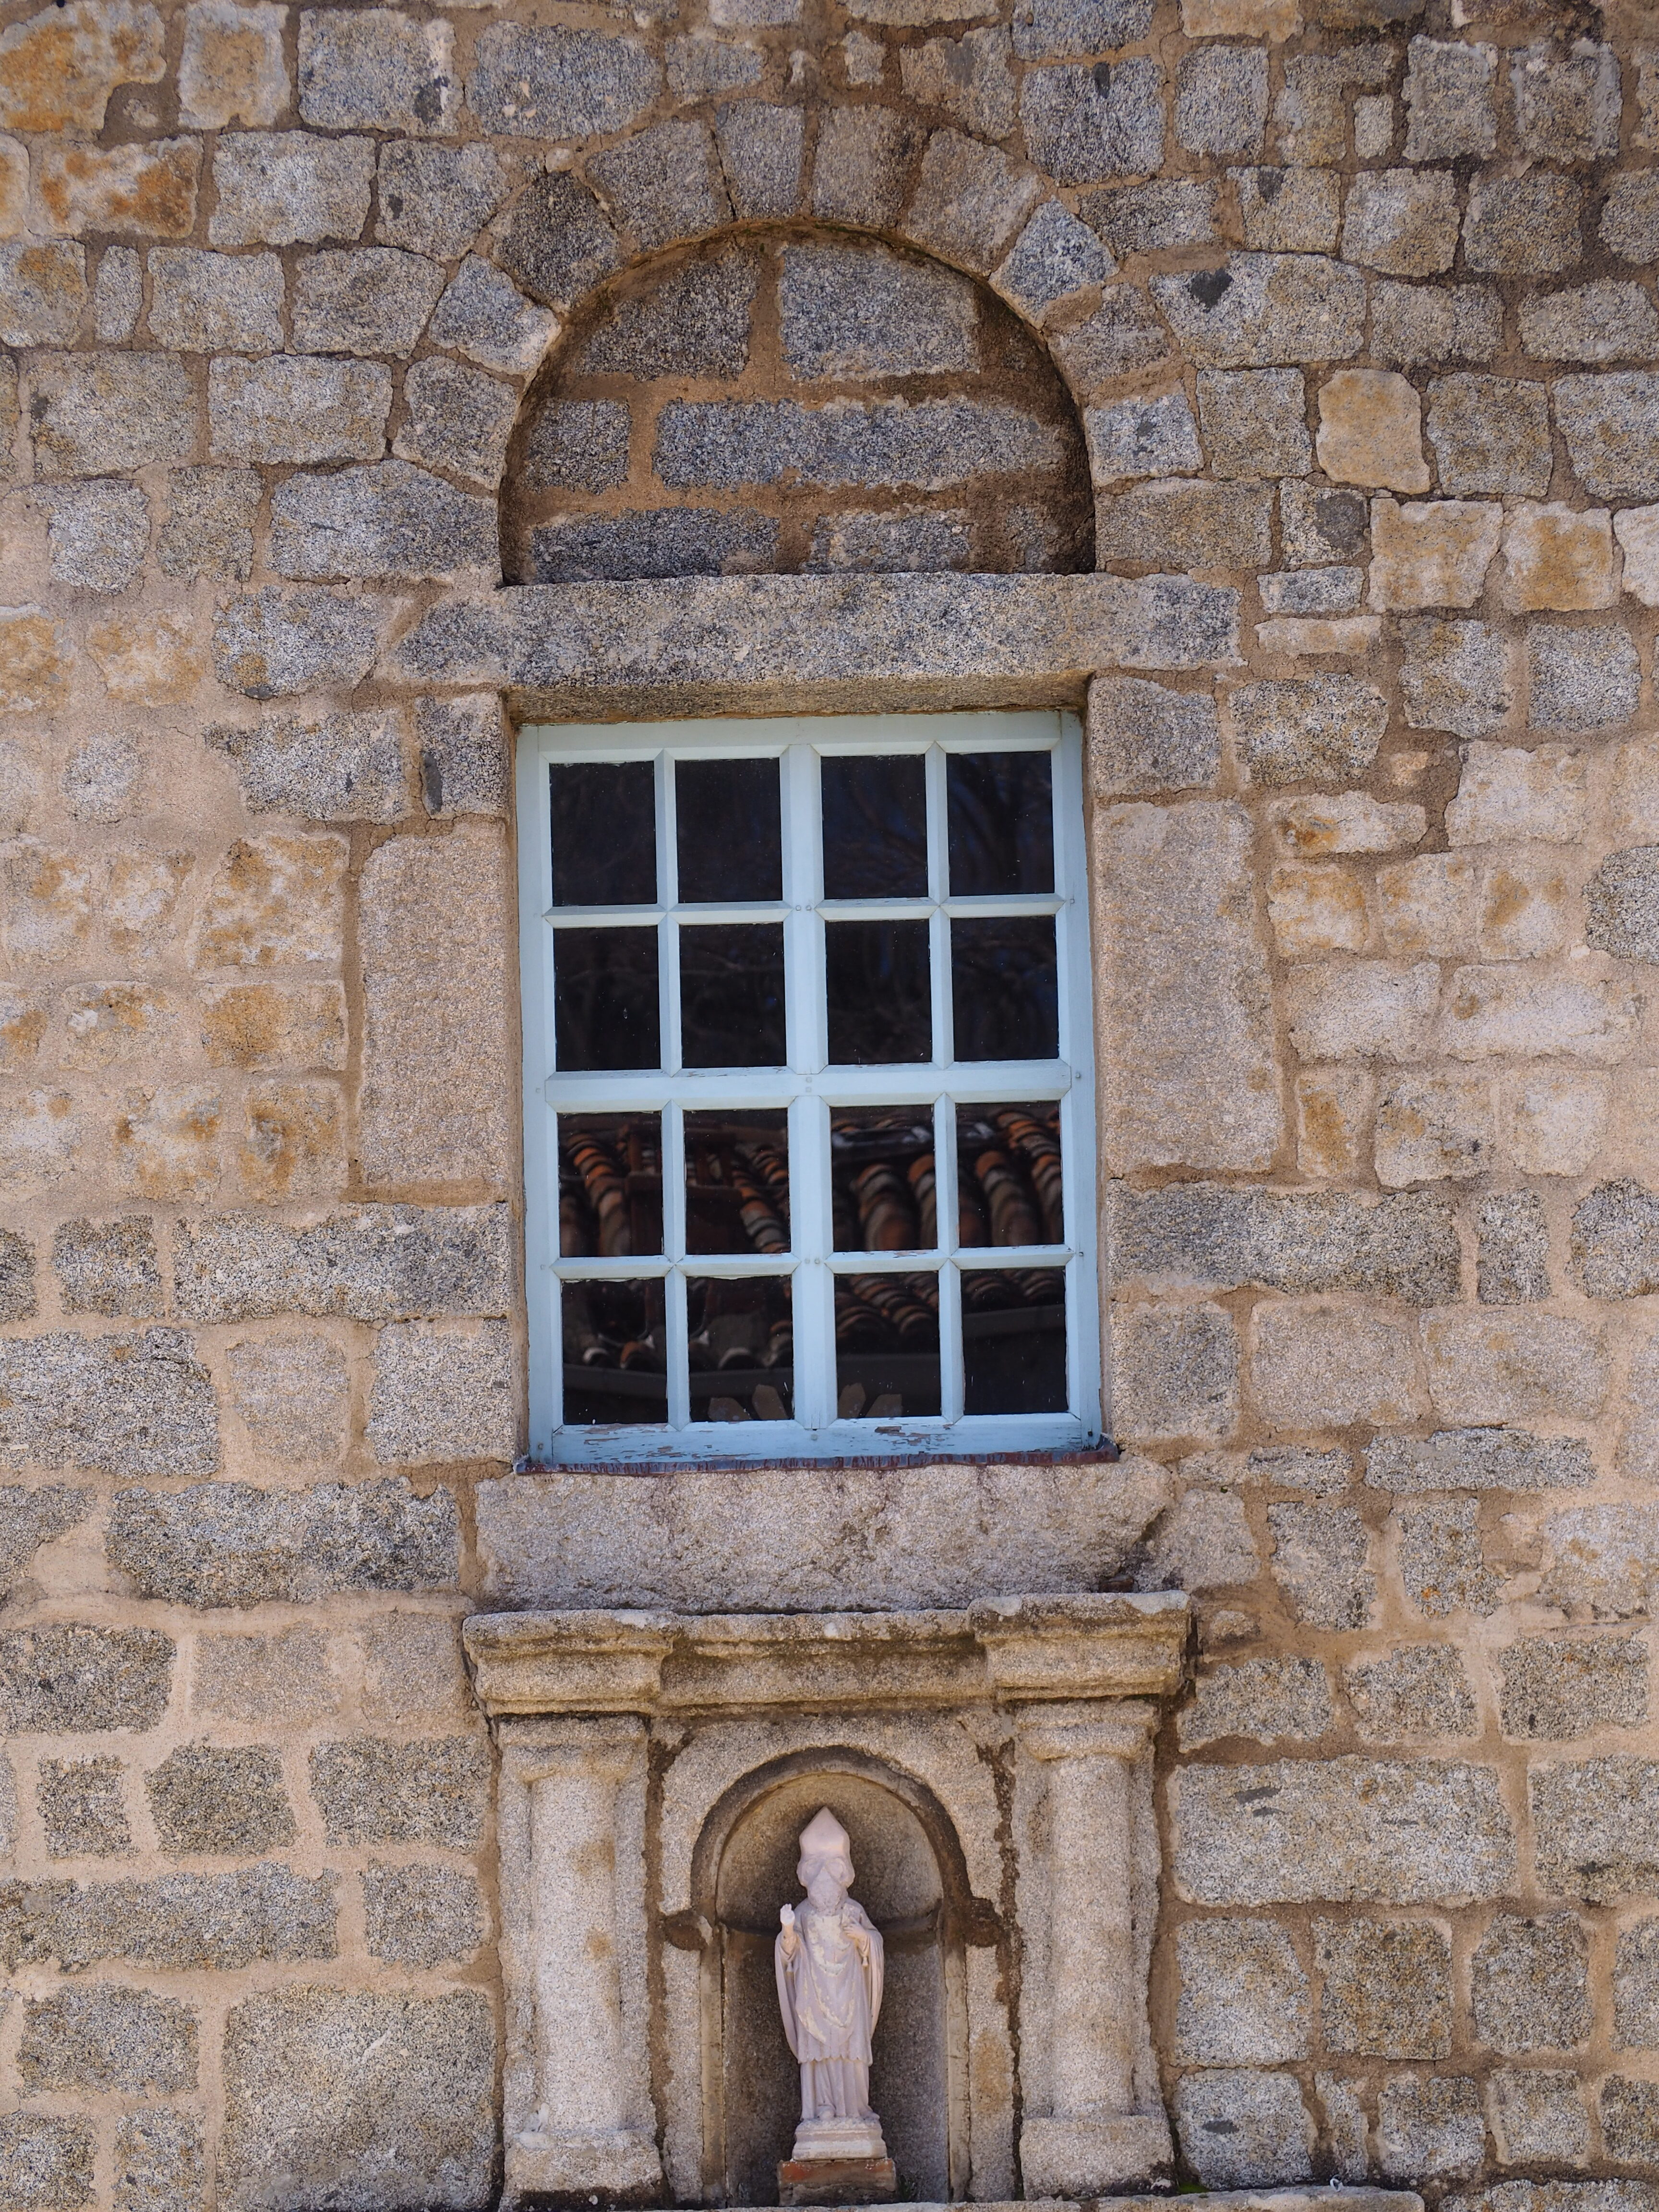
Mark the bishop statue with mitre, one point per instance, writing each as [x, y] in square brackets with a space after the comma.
[829, 1959]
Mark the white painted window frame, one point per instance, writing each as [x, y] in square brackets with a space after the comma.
[807, 1088]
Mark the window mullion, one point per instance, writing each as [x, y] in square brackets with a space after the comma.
[950, 1342]
[938, 886]
[814, 1287]
[679, 1378]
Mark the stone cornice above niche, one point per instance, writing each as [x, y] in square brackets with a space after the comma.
[1013, 1651]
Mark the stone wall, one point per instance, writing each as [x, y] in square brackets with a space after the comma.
[1351, 310]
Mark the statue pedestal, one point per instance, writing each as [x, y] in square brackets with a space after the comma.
[837, 2181]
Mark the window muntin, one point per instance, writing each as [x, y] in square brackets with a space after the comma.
[735, 1014]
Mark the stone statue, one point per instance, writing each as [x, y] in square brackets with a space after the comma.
[829, 1959]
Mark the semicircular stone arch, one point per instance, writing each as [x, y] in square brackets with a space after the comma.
[795, 398]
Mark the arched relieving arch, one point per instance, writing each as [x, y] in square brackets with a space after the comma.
[799, 398]
[912, 1878]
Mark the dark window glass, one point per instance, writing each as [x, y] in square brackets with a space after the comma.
[1009, 1169]
[1014, 1340]
[737, 1182]
[881, 1179]
[604, 833]
[731, 996]
[875, 827]
[742, 1349]
[604, 998]
[879, 992]
[1002, 816]
[615, 1357]
[886, 1345]
[728, 829]
[1004, 993]
[609, 1185]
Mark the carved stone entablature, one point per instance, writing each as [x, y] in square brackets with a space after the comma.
[993, 1766]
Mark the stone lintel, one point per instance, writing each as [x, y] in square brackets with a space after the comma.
[798, 644]
[1003, 1650]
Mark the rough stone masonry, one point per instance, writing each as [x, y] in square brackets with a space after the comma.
[1326, 337]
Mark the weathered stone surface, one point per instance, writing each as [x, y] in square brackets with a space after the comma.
[131, 1405]
[108, 1268]
[388, 2096]
[413, 1668]
[1580, 679]
[221, 1922]
[488, 319]
[1511, 1010]
[1513, 1262]
[291, 1393]
[284, 1678]
[106, 2037]
[1615, 1240]
[95, 414]
[390, 521]
[1055, 256]
[1329, 1365]
[143, 191]
[1490, 434]
[1221, 99]
[1630, 2117]
[930, 444]
[1263, 1699]
[1208, 1236]
[60, 1681]
[675, 541]
[1175, 1372]
[1478, 1459]
[1203, 1541]
[1319, 729]
[703, 68]
[205, 1798]
[1079, 130]
[208, 530]
[1147, 218]
[1344, 1829]
[423, 1916]
[1243, 1994]
[1431, 553]
[1608, 422]
[30, 1518]
[161, 2162]
[1557, 1687]
[1418, 1690]
[1635, 1987]
[1289, 210]
[288, 188]
[1456, 675]
[1145, 739]
[1271, 308]
[1208, 981]
[1601, 1560]
[1139, 437]
[1430, 1127]
[1596, 1826]
[335, 767]
[1254, 421]
[1449, 99]
[1527, 224]
[437, 199]
[1187, 525]
[443, 1393]
[58, 68]
[81, 1808]
[42, 293]
[371, 1789]
[230, 1544]
[210, 302]
[1514, 1366]
[1430, 2128]
[373, 1263]
[1320, 1563]
[1386, 1988]
[560, 83]
[374, 299]
[232, 69]
[376, 68]
[304, 408]
[270, 642]
[731, 1542]
[1242, 2126]
[1528, 1984]
[47, 2163]
[456, 419]
[760, 146]
[16, 1277]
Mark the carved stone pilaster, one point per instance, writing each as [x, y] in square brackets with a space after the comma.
[579, 2113]
[1088, 1903]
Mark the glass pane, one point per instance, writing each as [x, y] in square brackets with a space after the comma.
[742, 1349]
[609, 1185]
[881, 1179]
[886, 1345]
[604, 998]
[1005, 997]
[737, 1182]
[604, 833]
[1008, 1163]
[731, 996]
[614, 1355]
[880, 992]
[1002, 816]
[875, 826]
[1014, 1340]
[728, 829]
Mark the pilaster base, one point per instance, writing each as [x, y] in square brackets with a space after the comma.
[609, 2167]
[1091, 2158]
[837, 2181]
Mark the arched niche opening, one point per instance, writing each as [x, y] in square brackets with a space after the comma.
[795, 399]
[912, 1881]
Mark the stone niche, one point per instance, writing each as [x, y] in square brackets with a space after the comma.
[992, 1766]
